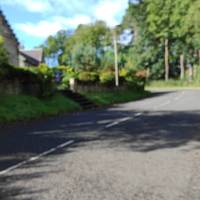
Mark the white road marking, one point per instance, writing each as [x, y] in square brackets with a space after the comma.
[138, 114]
[82, 124]
[118, 122]
[36, 157]
[104, 121]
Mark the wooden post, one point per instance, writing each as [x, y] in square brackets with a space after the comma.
[182, 75]
[72, 84]
[195, 72]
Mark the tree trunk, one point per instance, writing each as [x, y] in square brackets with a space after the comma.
[166, 59]
[116, 60]
[182, 76]
[190, 73]
[199, 56]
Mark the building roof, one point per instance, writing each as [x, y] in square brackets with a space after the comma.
[35, 54]
[9, 27]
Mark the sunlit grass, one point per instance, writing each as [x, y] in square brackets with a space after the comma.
[21, 107]
[173, 84]
[112, 97]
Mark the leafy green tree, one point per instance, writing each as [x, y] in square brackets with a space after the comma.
[84, 58]
[192, 24]
[161, 26]
[85, 48]
[55, 45]
[160, 34]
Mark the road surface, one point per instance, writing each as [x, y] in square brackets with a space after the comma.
[144, 150]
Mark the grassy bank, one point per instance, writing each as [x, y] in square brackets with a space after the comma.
[21, 107]
[173, 84]
[108, 98]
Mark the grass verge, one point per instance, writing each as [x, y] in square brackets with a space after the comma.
[22, 107]
[173, 84]
[112, 97]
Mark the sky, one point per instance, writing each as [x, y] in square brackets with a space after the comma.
[34, 20]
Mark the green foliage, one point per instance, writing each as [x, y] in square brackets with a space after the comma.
[197, 73]
[82, 49]
[85, 57]
[3, 52]
[175, 84]
[107, 77]
[123, 72]
[107, 60]
[44, 70]
[67, 73]
[21, 107]
[154, 21]
[88, 76]
[151, 23]
[55, 45]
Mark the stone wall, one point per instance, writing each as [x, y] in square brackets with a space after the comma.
[10, 87]
[80, 87]
[15, 87]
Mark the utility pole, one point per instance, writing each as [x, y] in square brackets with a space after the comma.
[116, 59]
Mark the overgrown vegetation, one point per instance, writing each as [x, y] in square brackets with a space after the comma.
[22, 107]
[3, 53]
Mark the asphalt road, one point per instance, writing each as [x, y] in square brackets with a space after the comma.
[144, 150]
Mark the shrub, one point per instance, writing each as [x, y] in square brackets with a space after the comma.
[67, 73]
[107, 77]
[88, 76]
[3, 52]
[135, 79]
[123, 72]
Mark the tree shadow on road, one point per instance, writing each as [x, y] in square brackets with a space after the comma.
[158, 130]
[150, 132]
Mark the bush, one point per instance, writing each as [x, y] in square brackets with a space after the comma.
[3, 52]
[123, 72]
[136, 80]
[107, 77]
[88, 76]
[67, 73]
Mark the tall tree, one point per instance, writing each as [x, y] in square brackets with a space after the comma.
[160, 25]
